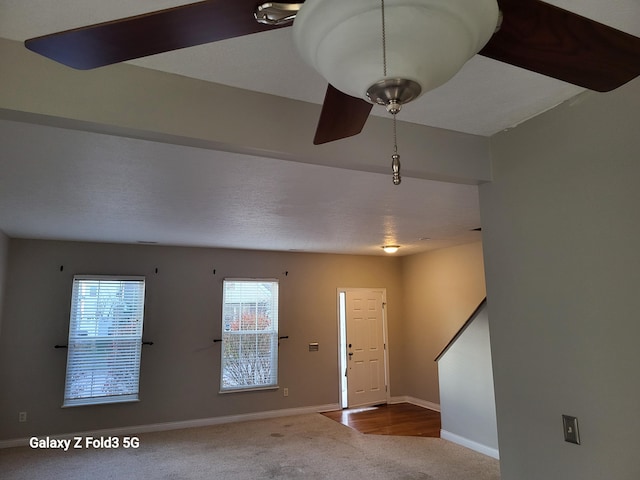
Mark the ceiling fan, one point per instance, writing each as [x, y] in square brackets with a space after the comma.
[439, 36]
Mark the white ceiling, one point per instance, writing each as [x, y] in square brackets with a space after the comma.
[74, 185]
[484, 98]
[211, 204]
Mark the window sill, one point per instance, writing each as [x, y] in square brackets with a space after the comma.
[248, 389]
[83, 402]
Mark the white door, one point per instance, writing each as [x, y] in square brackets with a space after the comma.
[366, 366]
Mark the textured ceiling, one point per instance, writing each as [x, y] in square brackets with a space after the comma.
[484, 98]
[212, 198]
[74, 185]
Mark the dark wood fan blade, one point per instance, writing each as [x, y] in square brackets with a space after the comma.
[342, 116]
[546, 39]
[151, 33]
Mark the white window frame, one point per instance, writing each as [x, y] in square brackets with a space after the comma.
[105, 340]
[237, 369]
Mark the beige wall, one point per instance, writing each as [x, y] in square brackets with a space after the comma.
[180, 372]
[441, 289]
[4, 258]
[560, 232]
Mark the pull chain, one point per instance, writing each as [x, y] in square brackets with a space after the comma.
[393, 107]
[384, 42]
[395, 158]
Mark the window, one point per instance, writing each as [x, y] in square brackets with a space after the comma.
[105, 340]
[249, 334]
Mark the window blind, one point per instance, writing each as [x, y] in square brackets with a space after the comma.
[249, 334]
[105, 340]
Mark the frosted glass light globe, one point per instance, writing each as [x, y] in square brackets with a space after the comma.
[427, 41]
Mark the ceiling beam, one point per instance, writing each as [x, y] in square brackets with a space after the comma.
[137, 102]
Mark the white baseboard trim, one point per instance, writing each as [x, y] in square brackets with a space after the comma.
[415, 401]
[160, 427]
[465, 442]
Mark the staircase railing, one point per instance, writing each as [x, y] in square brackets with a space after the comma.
[462, 329]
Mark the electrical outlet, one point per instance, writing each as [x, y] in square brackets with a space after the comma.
[571, 434]
[22, 417]
[285, 391]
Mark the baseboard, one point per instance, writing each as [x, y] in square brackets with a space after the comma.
[415, 401]
[201, 422]
[452, 437]
[465, 442]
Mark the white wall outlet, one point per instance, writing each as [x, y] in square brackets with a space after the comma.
[285, 391]
[22, 417]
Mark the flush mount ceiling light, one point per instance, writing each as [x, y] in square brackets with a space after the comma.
[390, 248]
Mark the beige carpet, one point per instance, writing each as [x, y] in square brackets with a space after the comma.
[298, 447]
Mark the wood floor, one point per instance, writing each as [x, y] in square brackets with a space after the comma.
[392, 419]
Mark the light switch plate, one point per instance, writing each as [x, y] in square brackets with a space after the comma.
[571, 433]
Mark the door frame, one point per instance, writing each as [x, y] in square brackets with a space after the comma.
[341, 340]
